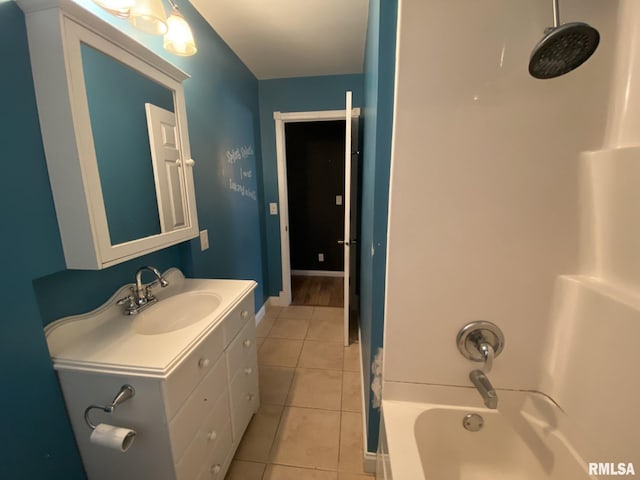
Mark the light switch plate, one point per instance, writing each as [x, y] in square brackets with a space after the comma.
[204, 240]
[273, 208]
[338, 199]
[321, 257]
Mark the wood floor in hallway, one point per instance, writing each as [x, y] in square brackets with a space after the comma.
[317, 291]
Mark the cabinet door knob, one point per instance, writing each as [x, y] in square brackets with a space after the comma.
[212, 435]
[190, 162]
[204, 363]
[250, 396]
[247, 343]
[248, 371]
[215, 469]
[179, 162]
[244, 314]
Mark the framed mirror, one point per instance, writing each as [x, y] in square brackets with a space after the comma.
[114, 128]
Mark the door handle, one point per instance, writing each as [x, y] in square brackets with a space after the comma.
[352, 242]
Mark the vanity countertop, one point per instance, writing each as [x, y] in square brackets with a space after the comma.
[105, 339]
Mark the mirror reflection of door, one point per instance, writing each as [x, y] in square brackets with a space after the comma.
[168, 167]
[315, 186]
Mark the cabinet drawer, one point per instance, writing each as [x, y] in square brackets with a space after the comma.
[241, 354]
[245, 400]
[217, 462]
[237, 318]
[194, 368]
[212, 440]
[189, 418]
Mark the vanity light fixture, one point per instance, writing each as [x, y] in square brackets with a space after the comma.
[149, 16]
[179, 38]
[119, 8]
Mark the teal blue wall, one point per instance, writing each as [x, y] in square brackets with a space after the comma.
[222, 108]
[378, 123]
[293, 95]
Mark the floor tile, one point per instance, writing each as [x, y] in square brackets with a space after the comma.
[296, 311]
[315, 388]
[307, 438]
[258, 439]
[241, 470]
[351, 392]
[330, 313]
[277, 352]
[293, 328]
[282, 472]
[321, 355]
[326, 330]
[351, 455]
[274, 384]
[273, 310]
[352, 358]
[263, 328]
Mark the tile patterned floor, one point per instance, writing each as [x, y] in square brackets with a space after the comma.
[309, 426]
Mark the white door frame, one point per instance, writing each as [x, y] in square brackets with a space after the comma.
[283, 198]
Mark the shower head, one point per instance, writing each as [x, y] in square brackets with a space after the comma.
[563, 48]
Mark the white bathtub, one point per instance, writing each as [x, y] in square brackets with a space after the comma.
[527, 438]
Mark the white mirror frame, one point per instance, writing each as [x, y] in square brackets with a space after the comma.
[55, 31]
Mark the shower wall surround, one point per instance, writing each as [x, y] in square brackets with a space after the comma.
[498, 213]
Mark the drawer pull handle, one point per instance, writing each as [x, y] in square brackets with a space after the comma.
[244, 314]
[246, 343]
[250, 396]
[204, 363]
[212, 435]
[248, 371]
[215, 469]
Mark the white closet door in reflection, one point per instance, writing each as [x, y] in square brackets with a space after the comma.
[168, 167]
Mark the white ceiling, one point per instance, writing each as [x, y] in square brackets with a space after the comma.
[292, 38]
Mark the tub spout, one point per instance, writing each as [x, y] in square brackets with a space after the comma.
[483, 385]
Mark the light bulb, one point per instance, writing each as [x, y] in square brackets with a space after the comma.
[149, 16]
[179, 38]
[119, 8]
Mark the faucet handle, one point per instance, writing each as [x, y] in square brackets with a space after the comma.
[488, 354]
[129, 302]
[480, 341]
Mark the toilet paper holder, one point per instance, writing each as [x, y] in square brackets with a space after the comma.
[126, 392]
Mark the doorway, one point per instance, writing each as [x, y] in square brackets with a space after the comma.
[349, 118]
[315, 186]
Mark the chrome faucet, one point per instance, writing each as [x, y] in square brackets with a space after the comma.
[480, 341]
[483, 385]
[488, 354]
[143, 292]
[141, 295]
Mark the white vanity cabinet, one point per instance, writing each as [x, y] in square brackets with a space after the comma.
[188, 419]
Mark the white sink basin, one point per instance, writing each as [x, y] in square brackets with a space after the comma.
[176, 312]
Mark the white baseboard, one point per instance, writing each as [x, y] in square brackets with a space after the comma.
[369, 462]
[280, 301]
[317, 273]
[260, 313]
